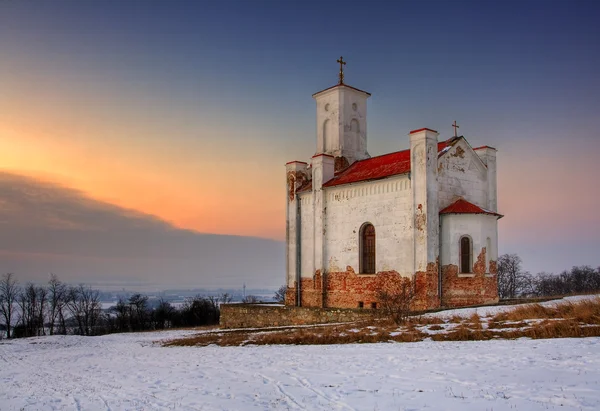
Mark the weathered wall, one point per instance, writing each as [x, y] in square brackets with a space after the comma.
[257, 316]
[481, 228]
[296, 176]
[461, 173]
[386, 205]
[425, 211]
[480, 287]
[307, 233]
[342, 123]
[488, 156]
[347, 289]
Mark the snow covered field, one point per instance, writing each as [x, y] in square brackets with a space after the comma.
[131, 372]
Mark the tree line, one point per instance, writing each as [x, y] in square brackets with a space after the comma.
[514, 282]
[60, 308]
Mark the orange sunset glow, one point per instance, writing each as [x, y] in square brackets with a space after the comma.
[162, 125]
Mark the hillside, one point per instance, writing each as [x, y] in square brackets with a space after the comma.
[136, 372]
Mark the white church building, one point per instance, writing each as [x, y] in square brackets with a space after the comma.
[356, 223]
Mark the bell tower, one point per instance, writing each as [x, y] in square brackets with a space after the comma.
[342, 122]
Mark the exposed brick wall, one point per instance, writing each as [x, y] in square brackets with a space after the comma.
[257, 315]
[460, 290]
[345, 289]
[290, 295]
[426, 284]
[295, 180]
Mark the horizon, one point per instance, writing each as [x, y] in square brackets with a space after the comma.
[145, 142]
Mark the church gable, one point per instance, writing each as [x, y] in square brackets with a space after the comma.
[461, 173]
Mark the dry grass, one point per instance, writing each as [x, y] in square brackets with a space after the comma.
[422, 320]
[578, 319]
[493, 324]
[456, 319]
[587, 311]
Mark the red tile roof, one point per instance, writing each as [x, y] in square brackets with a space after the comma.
[462, 206]
[375, 168]
[482, 147]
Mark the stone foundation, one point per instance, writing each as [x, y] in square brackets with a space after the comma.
[263, 315]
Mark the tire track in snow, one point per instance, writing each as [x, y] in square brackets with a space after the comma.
[306, 384]
[277, 384]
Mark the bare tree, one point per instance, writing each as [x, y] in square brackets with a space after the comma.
[225, 298]
[163, 314]
[512, 280]
[121, 310]
[42, 302]
[396, 299]
[581, 279]
[32, 304]
[280, 294]
[250, 299]
[138, 314]
[57, 295]
[84, 305]
[9, 291]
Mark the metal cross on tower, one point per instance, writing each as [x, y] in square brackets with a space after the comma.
[342, 64]
[455, 128]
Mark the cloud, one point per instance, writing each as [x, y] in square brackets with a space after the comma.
[46, 227]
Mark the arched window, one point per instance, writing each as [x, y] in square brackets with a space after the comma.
[367, 249]
[465, 255]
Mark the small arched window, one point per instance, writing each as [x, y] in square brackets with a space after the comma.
[367, 248]
[465, 255]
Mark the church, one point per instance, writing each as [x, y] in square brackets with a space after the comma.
[356, 223]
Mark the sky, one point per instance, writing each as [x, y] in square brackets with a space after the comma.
[178, 116]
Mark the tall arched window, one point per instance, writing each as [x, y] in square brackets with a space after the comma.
[465, 255]
[367, 249]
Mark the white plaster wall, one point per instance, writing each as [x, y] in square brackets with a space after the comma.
[328, 110]
[322, 171]
[462, 175]
[479, 227]
[384, 203]
[307, 235]
[290, 235]
[488, 156]
[353, 121]
[423, 165]
[337, 109]
[292, 169]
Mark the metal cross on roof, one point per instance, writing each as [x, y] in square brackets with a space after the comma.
[342, 64]
[455, 128]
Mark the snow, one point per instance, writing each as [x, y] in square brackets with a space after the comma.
[132, 372]
[492, 310]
